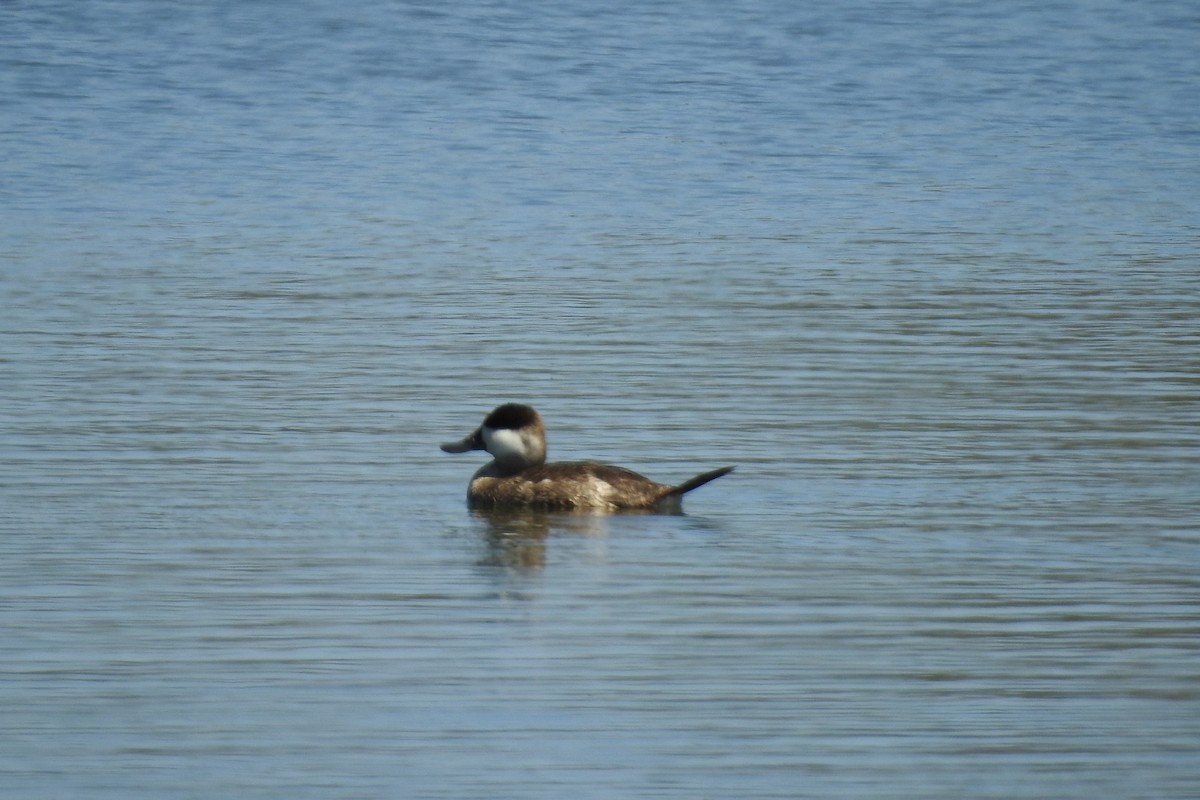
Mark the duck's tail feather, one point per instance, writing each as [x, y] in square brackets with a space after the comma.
[696, 482]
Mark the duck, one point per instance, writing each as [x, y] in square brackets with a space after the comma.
[519, 477]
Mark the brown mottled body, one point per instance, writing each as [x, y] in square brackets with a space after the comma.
[569, 485]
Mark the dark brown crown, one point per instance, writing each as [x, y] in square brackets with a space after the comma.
[511, 416]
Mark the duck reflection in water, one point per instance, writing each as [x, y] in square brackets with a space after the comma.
[517, 538]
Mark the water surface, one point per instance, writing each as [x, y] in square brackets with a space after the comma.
[927, 273]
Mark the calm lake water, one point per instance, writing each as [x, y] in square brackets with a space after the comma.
[927, 272]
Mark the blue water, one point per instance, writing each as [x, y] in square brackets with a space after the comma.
[928, 273]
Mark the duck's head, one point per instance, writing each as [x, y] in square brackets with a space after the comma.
[513, 433]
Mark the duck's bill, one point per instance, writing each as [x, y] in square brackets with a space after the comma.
[472, 442]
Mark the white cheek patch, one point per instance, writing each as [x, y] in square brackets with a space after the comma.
[504, 443]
